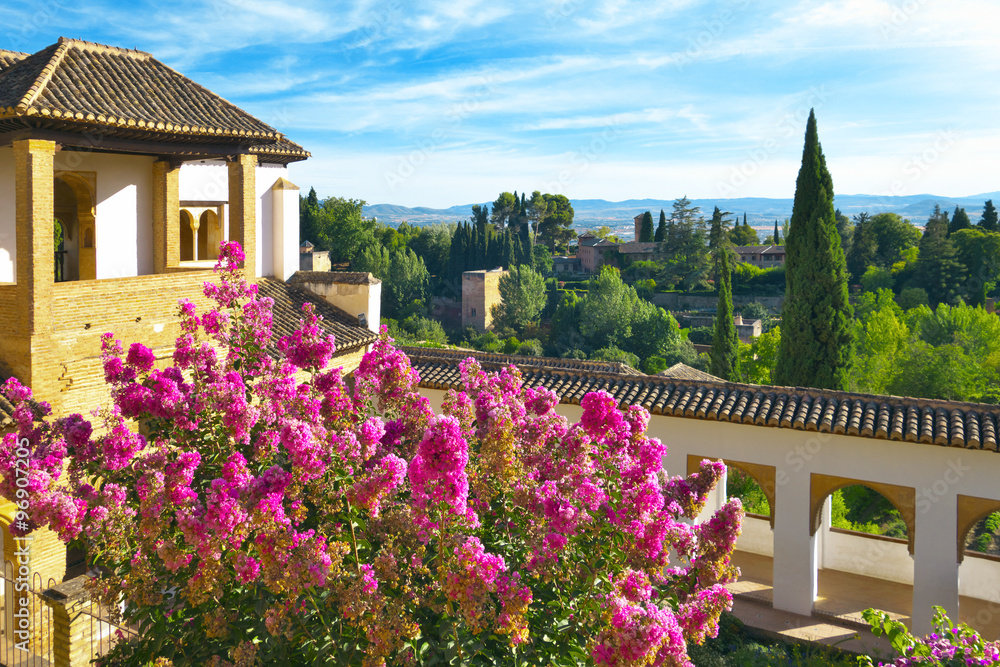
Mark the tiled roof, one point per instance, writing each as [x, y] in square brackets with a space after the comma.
[8, 58]
[334, 278]
[84, 86]
[635, 247]
[454, 357]
[946, 423]
[684, 372]
[760, 249]
[282, 151]
[288, 301]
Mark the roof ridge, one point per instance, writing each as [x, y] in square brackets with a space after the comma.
[84, 45]
[35, 89]
[15, 53]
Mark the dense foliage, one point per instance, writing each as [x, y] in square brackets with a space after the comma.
[268, 514]
[947, 645]
[816, 327]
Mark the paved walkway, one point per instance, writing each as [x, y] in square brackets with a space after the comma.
[836, 618]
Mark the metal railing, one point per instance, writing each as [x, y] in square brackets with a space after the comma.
[25, 619]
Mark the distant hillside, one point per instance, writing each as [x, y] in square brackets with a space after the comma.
[761, 212]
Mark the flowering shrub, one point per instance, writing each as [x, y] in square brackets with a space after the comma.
[947, 645]
[265, 512]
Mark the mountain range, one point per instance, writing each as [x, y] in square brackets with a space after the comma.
[760, 211]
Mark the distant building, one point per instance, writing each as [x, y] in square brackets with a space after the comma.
[763, 256]
[746, 330]
[569, 264]
[311, 259]
[593, 252]
[480, 292]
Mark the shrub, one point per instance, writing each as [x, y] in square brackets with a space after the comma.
[654, 365]
[270, 514]
[614, 354]
[530, 348]
[701, 335]
[947, 645]
[912, 297]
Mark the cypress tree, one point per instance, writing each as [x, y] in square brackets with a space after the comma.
[476, 256]
[959, 220]
[989, 219]
[646, 228]
[777, 235]
[725, 344]
[816, 320]
[661, 228]
[745, 219]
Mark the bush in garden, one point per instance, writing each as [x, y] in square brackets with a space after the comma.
[261, 519]
[947, 645]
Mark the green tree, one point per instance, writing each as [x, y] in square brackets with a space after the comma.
[989, 219]
[882, 343]
[607, 312]
[939, 270]
[744, 235]
[718, 236]
[308, 213]
[846, 231]
[655, 332]
[893, 236]
[759, 358]
[725, 343]
[433, 245]
[959, 220]
[646, 228]
[340, 228]
[864, 247]
[685, 251]
[816, 322]
[404, 278]
[504, 208]
[480, 215]
[564, 334]
[979, 252]
[661, 228]
[556, 228]
[538, 210]
[522, 298]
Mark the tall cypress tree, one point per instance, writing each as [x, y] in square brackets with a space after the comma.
[646, 228]
[661, 228]
[725, 344]
[816, 320]
[989, 219]
[777, 234]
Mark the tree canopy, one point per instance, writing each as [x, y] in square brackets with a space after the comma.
[523, 297]
[816, 324]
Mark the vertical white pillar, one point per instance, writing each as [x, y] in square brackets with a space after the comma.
[795, 557]
[285, 228]
[935, 566]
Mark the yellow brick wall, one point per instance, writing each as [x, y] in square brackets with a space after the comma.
[166, 213]
[243, 207]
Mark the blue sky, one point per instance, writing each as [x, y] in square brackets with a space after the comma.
[450, 102]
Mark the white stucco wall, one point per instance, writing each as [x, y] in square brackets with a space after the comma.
[757, 537]
[8, 241]
[979, 577]
[123, 211]
[870, 557]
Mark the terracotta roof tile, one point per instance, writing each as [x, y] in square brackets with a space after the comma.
[945, 423]
[83, 86]
[334, 277]
[8, 58]
[288, 301]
